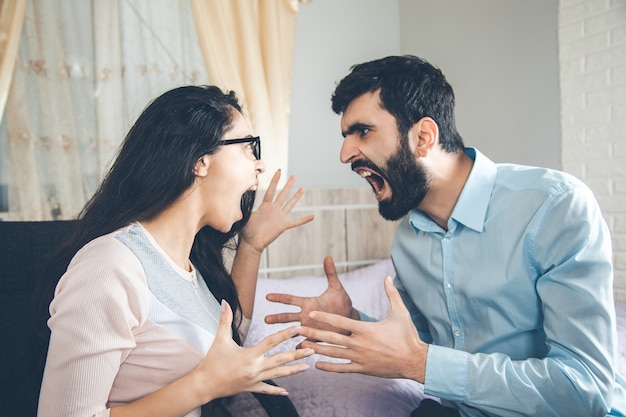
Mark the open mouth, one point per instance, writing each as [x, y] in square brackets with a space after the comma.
[376, 181]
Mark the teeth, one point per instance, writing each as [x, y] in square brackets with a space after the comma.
[254, 188]
[379, 192]
[365, 174]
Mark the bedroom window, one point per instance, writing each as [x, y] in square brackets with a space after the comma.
[77, 85]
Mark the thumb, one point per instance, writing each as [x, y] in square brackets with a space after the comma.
[395, 300]
[331, 273]
[226, 319]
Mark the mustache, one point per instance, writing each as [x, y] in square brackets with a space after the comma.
[365, 163]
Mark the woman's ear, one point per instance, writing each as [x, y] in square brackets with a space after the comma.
[201, 169]
[423, 136]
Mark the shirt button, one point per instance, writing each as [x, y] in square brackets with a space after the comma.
[457, 333]
[448, 286]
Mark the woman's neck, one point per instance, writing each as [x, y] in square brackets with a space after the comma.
[174, 237]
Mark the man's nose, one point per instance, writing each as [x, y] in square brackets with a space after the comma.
[349, 150]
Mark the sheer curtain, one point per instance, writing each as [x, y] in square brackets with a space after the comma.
[84, 71]
[11, 19]
[248, 47]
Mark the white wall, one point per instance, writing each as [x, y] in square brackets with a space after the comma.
[331, 36]
[500, 57]
[592, 37]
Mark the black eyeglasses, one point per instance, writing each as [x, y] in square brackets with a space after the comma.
[255, 141]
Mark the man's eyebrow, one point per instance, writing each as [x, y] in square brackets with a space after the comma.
[354, 127]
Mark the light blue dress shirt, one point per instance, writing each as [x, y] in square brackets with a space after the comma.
[516, 297]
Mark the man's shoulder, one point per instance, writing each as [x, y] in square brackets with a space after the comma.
[517, 177]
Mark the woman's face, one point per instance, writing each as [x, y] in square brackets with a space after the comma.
[232, 170]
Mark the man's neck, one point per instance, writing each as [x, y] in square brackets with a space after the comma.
[447, 182]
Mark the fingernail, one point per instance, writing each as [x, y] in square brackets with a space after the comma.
[295, 330]
[303, 367]
[308, 352]
[223, 305]
[285, 393]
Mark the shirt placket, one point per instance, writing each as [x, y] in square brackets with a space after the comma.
[456, 328]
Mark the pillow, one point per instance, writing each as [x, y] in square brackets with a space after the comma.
[324, 394]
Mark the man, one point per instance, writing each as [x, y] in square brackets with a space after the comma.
[504, 302]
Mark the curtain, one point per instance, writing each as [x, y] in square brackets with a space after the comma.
[11, 18]
[84, 72]
[247, 47]
[49, 115]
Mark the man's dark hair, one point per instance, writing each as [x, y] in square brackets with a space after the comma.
[410, 89]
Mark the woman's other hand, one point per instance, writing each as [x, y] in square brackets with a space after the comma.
[270, 219]
[228, 368]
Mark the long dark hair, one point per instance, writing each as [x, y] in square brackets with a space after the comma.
[154, 166]
[410, 89]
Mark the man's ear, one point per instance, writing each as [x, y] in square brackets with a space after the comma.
[423, 136]
[201, 169]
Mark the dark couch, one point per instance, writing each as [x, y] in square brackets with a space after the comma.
[24, 250]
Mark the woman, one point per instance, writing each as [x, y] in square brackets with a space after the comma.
[142, 315]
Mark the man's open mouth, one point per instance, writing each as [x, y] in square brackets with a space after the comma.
[375, 180]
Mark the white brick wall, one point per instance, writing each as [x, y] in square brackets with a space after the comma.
[592, 55]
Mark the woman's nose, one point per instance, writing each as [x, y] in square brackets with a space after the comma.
[260, 166]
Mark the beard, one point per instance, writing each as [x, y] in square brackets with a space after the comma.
[407, 179]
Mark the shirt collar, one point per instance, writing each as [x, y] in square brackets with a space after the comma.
[471, 208]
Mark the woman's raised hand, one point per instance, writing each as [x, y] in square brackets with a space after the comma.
[270, 219]
[229, 369]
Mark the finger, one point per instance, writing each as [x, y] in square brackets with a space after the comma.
[282, 318]
[340, 368]
[331, 273]
[282, 371]
[337, 321]
[284, 193]
[395, 300]
[331, 351]
[300, 345]
[284, 299]
[226, 320]
[271, 188]
[264, 388]
[283, 358]
[293, 200]
[326, 336]
[300, 221]
[275, 339]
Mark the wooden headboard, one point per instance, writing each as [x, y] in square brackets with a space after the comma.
[347, 227]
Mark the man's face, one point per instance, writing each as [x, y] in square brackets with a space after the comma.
[376, 152]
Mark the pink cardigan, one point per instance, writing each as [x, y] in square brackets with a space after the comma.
[105, 349]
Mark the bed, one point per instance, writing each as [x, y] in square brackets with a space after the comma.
[319, 394]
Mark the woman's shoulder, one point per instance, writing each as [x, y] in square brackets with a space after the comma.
[106, 248]
[107, 263]
[106, 277]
